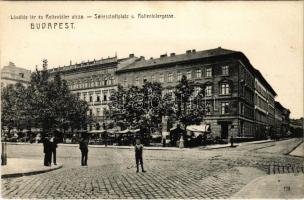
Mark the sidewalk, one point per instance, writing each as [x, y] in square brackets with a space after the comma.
[208, 147]
[299, 151]
[22, 167]
[279, 186]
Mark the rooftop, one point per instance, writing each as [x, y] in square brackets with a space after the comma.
[173, 58]
[89, 63]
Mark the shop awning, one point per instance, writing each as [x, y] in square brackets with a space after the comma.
[97, 131]
[129, 131]
[198, 128]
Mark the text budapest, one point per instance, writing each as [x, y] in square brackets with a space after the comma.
[52, 26]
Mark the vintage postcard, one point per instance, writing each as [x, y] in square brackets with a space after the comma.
[151, 100]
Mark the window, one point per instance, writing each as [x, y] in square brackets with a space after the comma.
[105, 98]
[225, 70]
[208, 90]
[98, 98]
[105, 82]
[189, 75]
[170, 92]
[91, 98]
[198, 73]
[225, 108]
[97, 111]
[136, 81]
[91, 112]
[21, 75]
[152, 78]
[170, 77]
[112, 80]
[161, 78]
[84, 97]
[179, 76]
[208, 108]
[144, 79]
[209, 72]
[224, 89]
[196, 90]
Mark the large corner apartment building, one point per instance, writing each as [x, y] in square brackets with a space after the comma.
[240, 101]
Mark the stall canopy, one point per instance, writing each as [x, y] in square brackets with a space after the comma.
[129, 131]
[97, 131]
[199, 129]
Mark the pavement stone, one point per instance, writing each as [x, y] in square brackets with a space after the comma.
[195, 174]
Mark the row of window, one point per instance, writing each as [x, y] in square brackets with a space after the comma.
[224, 109]
[105, 96]
[98, 112]
[170, 76]
[91, 83]
[225, 89]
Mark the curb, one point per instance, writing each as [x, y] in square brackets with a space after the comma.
[294, 148]
[14, 175]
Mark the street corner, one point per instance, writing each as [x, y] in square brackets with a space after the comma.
[17, 167]
[274, 186]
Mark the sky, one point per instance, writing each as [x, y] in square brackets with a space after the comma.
[270, 34]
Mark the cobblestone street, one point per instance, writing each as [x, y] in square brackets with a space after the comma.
[190, 173]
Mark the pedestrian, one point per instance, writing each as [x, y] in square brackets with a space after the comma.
[139, 155]
[47, 151]
[84, 148]
[231, 141]
[53, 144]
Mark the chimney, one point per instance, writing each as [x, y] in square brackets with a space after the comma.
[142, 58]
[70, 62]
[193, 50]
[151, 58]
[188, 51]
[163, 55]
[131, 55]
[172, 54]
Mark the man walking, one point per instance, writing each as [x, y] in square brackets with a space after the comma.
[84, 148]
[138, 155]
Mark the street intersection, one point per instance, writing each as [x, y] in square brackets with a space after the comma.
[188, 173]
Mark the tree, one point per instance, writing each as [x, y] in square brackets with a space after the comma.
[183, 91]
[46, 103]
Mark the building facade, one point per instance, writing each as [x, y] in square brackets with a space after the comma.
[11, 74]
[226, 77]
[264, 111]
[239, 102]
[93, 81]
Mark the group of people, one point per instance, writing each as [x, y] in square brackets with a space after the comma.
[50, 146]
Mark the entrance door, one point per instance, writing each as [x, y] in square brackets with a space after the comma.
[224, 131]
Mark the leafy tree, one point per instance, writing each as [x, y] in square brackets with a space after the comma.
[183, 92]
[45, 103]
[7, 106]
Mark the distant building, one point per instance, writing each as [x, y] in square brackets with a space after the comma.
[11, 74]
[281, 120]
